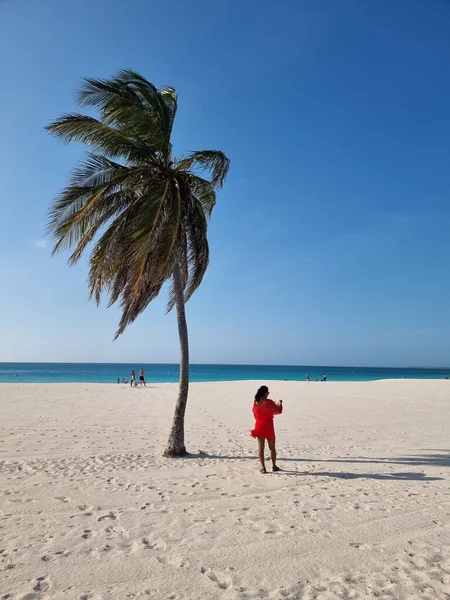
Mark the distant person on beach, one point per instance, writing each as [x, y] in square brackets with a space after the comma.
[307, 378]
[324, 378]
[264, 410]
[133, 378]
[118, 380]
[142, 377]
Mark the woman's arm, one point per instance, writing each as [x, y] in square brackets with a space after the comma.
[277, 409]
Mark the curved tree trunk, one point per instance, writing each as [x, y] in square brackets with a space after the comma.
[175, 444]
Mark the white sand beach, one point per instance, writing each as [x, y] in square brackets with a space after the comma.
[89, 508]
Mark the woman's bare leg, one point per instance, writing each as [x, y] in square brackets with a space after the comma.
[273, 453]
[261, 444]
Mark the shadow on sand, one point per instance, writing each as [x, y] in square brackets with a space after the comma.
[381, 476]
[441, 459]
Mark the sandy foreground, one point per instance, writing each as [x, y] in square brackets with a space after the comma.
[89, 508]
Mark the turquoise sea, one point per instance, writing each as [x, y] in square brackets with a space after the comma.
[159, 373]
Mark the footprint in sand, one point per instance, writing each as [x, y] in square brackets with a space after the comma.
[159, 545]
[359, 545]
[55, 555]
[273, 531]
[222, 581]
[85, 511]
[43, 584]
[174, 561]
[21, 500]
[109, 515]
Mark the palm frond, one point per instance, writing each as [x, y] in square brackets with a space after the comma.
[107, 259]
[193, 248]
[85, 231]
[102, 137]
[130, 101]
[170, 98]
[134, 257]
[147, 226]
[151, 268]
[92, 195]
[213, 161]
[106, 94]
[95, 170]
[201, 188]
[197, 245]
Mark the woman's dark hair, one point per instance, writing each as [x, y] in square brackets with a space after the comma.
[261, 392]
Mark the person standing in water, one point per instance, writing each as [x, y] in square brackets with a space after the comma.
[132, 378]
[142, 377]
[264, 410]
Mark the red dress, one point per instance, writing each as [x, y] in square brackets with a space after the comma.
[264, 419]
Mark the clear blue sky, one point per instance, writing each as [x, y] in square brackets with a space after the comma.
[330, 242]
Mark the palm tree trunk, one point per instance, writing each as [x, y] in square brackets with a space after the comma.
[175, 444]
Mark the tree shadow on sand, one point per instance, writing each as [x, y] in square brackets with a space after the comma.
[432, 460]
[381, 476]
[436, 460]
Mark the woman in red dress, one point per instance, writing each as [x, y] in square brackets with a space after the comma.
[264, 409]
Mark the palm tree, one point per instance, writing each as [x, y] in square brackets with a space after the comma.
[144, 210]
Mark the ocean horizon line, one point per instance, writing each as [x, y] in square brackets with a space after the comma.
[227, 364]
